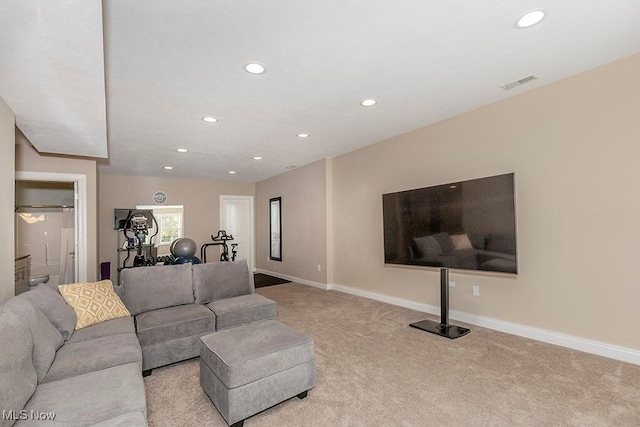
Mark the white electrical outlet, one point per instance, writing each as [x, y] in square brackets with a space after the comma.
[476, 290]
[452, 284]
[319, 267]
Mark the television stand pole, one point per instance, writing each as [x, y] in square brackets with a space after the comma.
[444, 329]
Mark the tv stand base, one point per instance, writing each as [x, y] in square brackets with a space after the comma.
[449, 331]
[442, 328]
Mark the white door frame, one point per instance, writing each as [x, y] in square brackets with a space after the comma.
[252, 240]
[80, 208]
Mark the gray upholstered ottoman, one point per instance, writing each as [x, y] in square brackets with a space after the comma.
[253, 367]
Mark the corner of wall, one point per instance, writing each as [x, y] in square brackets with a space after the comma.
[329, 204]
[7, 195]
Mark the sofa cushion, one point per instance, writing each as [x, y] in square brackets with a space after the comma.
[82, 357]
[122, 325]
[170, 323]
[501, 265]
[18, 377]
[240, 310]
[444, 241]
[151, 288]
[51, 303]
[504, 243]
[119, 291]
[218, 280]
[93, 302]
[427, 246]
[93, 397]
[460, 241]
[46, 338]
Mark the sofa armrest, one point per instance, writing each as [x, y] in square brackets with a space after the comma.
[232, 312]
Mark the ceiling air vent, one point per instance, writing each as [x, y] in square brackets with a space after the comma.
[519, 82]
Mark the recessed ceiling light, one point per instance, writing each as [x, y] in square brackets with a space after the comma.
[168, 167]
[182, 150]
[209, 119]
[232, 172]
[257, 158]
[303, 135]
[254, 68]
[530, 19]
[368, 102]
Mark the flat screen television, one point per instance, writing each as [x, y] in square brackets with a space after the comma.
[120, 218]
[468, 225]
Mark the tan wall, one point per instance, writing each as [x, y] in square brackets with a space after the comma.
[304, 222]
[7, 168]
[200, 198]
[28, 159]
[574, 147]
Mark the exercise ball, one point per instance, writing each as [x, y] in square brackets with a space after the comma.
[183, 247]
[187, 258]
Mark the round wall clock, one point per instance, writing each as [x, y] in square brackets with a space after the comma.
[159, 198]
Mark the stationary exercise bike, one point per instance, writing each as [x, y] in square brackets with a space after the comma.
[220, 239]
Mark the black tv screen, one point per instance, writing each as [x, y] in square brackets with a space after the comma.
[120, 217]
[468, 225]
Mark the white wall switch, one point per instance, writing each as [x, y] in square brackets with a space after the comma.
[452, 284]
[476, 290]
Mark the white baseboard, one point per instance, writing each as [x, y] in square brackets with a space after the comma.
[319, 285]
[582, 344]
[576, 343]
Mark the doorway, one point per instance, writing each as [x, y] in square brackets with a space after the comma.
[237, 218]
[50, 225]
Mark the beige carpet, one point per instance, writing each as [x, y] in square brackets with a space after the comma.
[374, 370]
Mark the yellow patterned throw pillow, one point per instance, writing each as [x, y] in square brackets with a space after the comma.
[93, 302]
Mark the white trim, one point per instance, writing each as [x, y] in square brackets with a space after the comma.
[80, 183]
[623, 354]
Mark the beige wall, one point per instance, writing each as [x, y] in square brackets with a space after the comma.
[7, 168]
[574, 147]
[28, 159]
[200, 198]
[304, 222]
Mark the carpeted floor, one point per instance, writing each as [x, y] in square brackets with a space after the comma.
[374, 370]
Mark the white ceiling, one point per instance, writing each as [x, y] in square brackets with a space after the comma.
[170, 63]
[52, 73]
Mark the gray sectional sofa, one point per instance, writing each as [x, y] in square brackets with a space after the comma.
[493, 252]
[93, 376]
[175, 305]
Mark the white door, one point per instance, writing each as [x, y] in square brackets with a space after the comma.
[236, 218]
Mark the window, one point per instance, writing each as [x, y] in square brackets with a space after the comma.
[170, 224]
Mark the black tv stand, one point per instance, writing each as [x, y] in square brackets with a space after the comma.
[444, 329]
